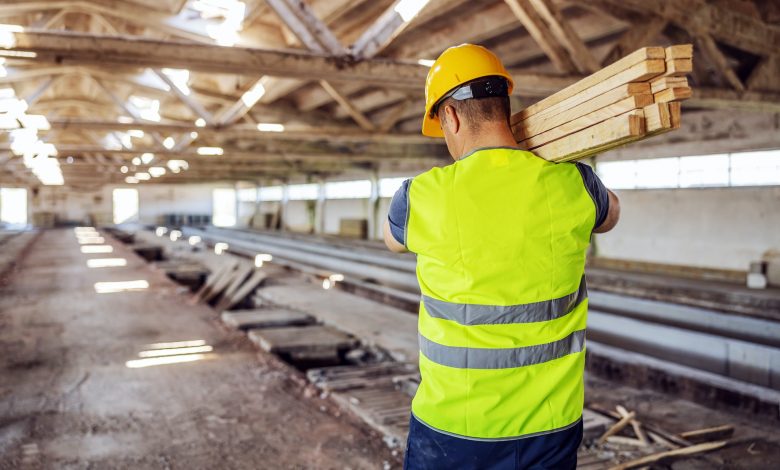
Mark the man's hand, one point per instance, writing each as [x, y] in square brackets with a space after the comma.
[612, 215]
[390, 241]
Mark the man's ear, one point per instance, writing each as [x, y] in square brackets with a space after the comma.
[450, 119]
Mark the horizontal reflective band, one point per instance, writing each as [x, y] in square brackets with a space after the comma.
[479, 358]
[474, 314]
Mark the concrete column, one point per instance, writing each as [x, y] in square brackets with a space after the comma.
[319, 208]
[258, 216]
[283, 206]
[373, 205]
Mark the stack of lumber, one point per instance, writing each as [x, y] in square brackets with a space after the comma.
[632, 99]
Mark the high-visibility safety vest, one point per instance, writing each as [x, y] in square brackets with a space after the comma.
[500, 237]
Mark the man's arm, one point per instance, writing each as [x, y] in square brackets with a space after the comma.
[606, 202]
[391, 242]
[613, 214]
[394, 229]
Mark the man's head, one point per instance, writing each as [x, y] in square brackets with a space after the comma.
[463, 121]
[466, 94]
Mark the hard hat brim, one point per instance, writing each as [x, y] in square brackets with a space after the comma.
[431, 127]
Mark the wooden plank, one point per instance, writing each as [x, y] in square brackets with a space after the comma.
[305, 342]
[662, 83]
[588, 120]
[538, 124]
[265, 318]
[673, 94]
[245, 290]
[678, 67]
[675, 114]
[657, 118]
[614, 131]
[239, 276]
[718, 432]
[617, 427]
[622, 65]
[637, 73]
[679, 51]
[213, 278]
[227, 282]
[683, 451]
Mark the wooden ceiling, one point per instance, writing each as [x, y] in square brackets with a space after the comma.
[341, 76]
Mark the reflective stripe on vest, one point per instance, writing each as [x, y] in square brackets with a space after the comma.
[504, 358]
[473, 314]
[500, 238]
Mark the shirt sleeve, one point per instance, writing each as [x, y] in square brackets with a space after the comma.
[598, 192]
[399, 210]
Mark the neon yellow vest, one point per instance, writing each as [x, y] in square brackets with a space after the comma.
[500, 237]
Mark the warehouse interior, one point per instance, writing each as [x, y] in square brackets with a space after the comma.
[192, 200]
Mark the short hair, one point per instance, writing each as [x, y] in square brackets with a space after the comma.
[475, 112]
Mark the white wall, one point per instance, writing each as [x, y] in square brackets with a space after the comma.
[154, 201]
[337, 209]
[724, 228]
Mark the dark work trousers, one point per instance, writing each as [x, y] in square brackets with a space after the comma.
[427, 449]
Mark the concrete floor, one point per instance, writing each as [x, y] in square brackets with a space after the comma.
[68, 399]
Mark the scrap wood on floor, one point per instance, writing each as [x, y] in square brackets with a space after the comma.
[634, 444]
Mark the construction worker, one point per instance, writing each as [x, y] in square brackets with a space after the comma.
[500, 237]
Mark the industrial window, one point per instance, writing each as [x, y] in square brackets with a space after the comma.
[13, 206]
[271, 193]
[388, 186]
[720, 170]
[247, 194]
[224, 207]
[358, 189]
[303, 192]
[125, 205]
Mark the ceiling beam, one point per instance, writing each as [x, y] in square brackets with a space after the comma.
[699, 17]
[544, 38]
[294, 133]
[185, 98]
[382, 32]
[566, 36]
[83, 49]
[720, 61]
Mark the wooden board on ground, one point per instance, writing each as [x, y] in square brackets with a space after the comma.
[229, 300]
[214, 278]
[305, 342]
[231, 283]
[223, 282]
[376, 324]
[382, 407]
[342, 378]
[265, 318]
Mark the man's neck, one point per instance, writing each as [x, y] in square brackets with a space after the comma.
[489, 136]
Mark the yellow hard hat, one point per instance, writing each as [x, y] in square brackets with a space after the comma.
[456, 66]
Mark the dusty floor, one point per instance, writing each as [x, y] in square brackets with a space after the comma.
[68, 400]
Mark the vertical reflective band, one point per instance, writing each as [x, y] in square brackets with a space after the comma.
[489, 358]
[474, 314]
